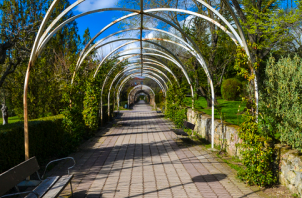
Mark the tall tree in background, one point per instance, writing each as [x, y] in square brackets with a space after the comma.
[267, 26]
[52, 70]
[20, 20]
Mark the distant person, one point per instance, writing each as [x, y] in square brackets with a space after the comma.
[4, 110]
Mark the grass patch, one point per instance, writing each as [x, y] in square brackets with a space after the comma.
[233, 162]
[229, 109]
[11, 120]
[16, 122]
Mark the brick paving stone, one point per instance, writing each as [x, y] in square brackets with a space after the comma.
[139, 157]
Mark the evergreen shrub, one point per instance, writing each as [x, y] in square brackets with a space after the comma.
[231, 88]
[281, 101]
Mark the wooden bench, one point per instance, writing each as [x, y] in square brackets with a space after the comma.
[181, 132]
[51, 187]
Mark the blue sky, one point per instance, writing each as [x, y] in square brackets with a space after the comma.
[95, 22]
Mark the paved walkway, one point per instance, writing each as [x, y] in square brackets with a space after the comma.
[138, 157]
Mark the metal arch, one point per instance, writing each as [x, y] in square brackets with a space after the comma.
[165, 56]
[141, 93]
[136, 12]
[153, 63]
[147, 72]
[151, 56]
[138, 74]
[156, 61]
[159, 9]
[233, 36]
[44, 42]
[96, 45]
[124, 74]
[101, 101]
[128, 69]
[150, 68]
[44, 22]
[145, 75]
[188, 12]
[178, 10]
[189, 48]
[130, 75]
[121, 72]
[204, 65]
[136, 40]
[137, 86]
[125, 80]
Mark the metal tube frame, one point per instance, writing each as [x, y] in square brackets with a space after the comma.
[138, 74]
[142, 86]
[38, 45]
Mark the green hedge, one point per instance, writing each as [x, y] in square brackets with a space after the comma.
[50, 137]
[47, 139]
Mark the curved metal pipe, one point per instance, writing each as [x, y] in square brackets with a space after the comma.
[139, 74]
[149, 68]
[107, 76]
[122, 78]
[45, 20]
[138, 86]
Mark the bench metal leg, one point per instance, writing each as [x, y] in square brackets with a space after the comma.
[71, 189]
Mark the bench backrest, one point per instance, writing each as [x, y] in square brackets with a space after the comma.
[189, 125]
[15, 175]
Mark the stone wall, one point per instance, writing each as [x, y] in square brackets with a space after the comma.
[290, 168]
[288, 162]
[225, 136]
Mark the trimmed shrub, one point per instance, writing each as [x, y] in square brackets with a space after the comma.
[231, 88]
[47, 140]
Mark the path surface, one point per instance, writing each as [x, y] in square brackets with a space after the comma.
[138, 157]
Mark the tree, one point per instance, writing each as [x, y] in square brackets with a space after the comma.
[20, 20]
[51, 73]
[266, 25]
[86, 37]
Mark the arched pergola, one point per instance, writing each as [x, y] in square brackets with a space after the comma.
[46, 32]
[135, 89]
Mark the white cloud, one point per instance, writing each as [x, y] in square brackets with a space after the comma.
[89, 5]
[151, 34]
[105, 50]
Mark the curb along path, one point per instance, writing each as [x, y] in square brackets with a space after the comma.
[138, 157]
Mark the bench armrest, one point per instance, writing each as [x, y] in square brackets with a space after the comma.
[21, 193]
[74, 163]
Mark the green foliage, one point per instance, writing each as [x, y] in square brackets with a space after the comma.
[73, 123]
[176, 109]
[91, 104]
[230, 89]
[257, 154]
[52, 70]
[281, 101]
[47, 136]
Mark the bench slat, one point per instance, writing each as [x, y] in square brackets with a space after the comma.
[58, 187]
[15, 175]
[189, 125]
[44, 186]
